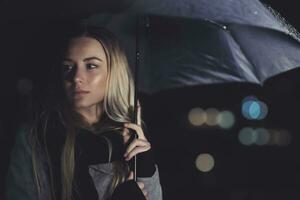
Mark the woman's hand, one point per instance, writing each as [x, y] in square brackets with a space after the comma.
[139, 144]
[140, 184]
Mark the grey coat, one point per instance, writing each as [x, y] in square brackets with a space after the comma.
[20, 182]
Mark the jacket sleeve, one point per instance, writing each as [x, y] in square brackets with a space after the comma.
[152, 185]
[148, 172]
[147, 166]
[19, 179]
[130, 189]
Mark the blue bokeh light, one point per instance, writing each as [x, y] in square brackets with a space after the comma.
[254, 109]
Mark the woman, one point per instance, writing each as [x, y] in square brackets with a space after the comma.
[79, 147]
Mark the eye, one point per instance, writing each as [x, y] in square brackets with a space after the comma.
[91, 66]
[67, 68]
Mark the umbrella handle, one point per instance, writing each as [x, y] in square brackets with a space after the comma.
[132, 162]
[137, 63]
[139, 23]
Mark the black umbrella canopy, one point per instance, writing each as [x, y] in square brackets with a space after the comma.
[182, 52]
[237, 11]
[230, 11]
[189, 42]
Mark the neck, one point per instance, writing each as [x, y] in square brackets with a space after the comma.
[92, 114]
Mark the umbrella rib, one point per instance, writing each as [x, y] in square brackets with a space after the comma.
[242, 50]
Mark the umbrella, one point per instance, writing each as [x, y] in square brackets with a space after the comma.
[189, 42]
[193, 42]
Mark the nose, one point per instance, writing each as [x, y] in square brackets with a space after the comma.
[79, 76]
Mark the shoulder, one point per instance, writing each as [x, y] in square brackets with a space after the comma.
[22, 139]
[19, 178]
[22, 149]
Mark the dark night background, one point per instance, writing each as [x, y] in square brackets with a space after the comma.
[250, 173]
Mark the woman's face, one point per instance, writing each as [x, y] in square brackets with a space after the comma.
[85, 73]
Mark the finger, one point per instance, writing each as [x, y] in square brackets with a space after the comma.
[136, 151]
[126, 135]
[125, 131]
[126, 138]
[139, 118]
[137, 128]
[135, 143]
[130, 176]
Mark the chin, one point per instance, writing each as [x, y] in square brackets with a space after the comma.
[83, 105]
[80, 104]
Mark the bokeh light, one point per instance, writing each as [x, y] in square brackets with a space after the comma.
[226, 119]
[24, 86]
[197, 116]
[247, 136]
[253, 109]
[264, 110]
[205, 162]
[280, 137]
[285, 138]
[212, 116]
[262, 136]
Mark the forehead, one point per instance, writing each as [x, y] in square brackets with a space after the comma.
[82, 47]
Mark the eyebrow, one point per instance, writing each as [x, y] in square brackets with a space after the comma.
[92, 58]
[86, 59]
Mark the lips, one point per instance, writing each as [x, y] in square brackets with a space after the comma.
[80, 92]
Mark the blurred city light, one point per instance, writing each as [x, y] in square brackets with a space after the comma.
[280, 137]
[262, 136]
[197, 116]
[24, 86]
[264, 110]
[205, 162]
[253, 109]
[247, 136]
[212, 116]
[274, 137]
[226, 119]
[285, 138]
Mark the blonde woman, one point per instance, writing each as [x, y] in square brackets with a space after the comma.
[78, 147]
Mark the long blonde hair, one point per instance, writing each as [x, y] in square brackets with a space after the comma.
[117, 106]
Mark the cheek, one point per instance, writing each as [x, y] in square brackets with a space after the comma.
[99, 84]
